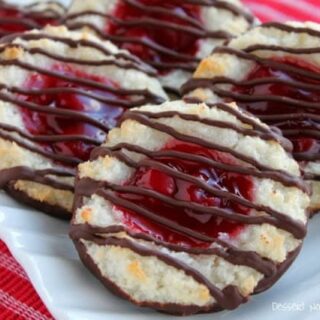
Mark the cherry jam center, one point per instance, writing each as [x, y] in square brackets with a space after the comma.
[178, 189]
[18, 17]
[301, 142]
[46, 124]
[177, 40]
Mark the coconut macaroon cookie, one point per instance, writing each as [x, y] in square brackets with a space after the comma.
[188, 208]
[18, 18]
[273, 71]
[60, 94]
[170, 35]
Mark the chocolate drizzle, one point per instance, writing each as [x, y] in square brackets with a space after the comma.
[193, 27]
[29, 16]
[125, 98]
[228, 298]
[132, 61]
[296, 104]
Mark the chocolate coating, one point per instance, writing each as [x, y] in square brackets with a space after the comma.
[22, 197]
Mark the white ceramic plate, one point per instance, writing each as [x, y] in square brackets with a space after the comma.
[42, 247]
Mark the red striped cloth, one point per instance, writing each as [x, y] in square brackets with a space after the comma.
[18, 300]
[284, 10]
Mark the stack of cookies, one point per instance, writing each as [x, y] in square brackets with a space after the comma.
[180, 138]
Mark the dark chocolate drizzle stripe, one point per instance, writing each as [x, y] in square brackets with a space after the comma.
[116, 200]
[225, 250]
[271, 98]
[289, 29]
[242, 54]
[29, 16]
[26, 8]
[25, 22]
[311, 176]
[186, 66]
[62, 113]
[56, 3]
[264, 134]
[9, 94]
[39, 176]
[291, 116]
[145, 42]
[96, 63]
[194, 28]
[49, 138]
[85, 43]
[90, 83]
[3, 34]
[210, 83]
[159, 10]
[299, 132]
[67, 160]
[302, 156]
[228, 298]
[258, 47]
[154, 23]
[235, 9]
[246, 118]
[35, 92]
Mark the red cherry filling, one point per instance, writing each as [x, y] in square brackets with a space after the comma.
[45, 124]
[170, 13]
[295, 126]
[178, 189]
[15, 20]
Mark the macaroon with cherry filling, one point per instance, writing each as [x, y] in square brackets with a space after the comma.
[60, 94]
[189, 208]
[273, 72]
[170, 35]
